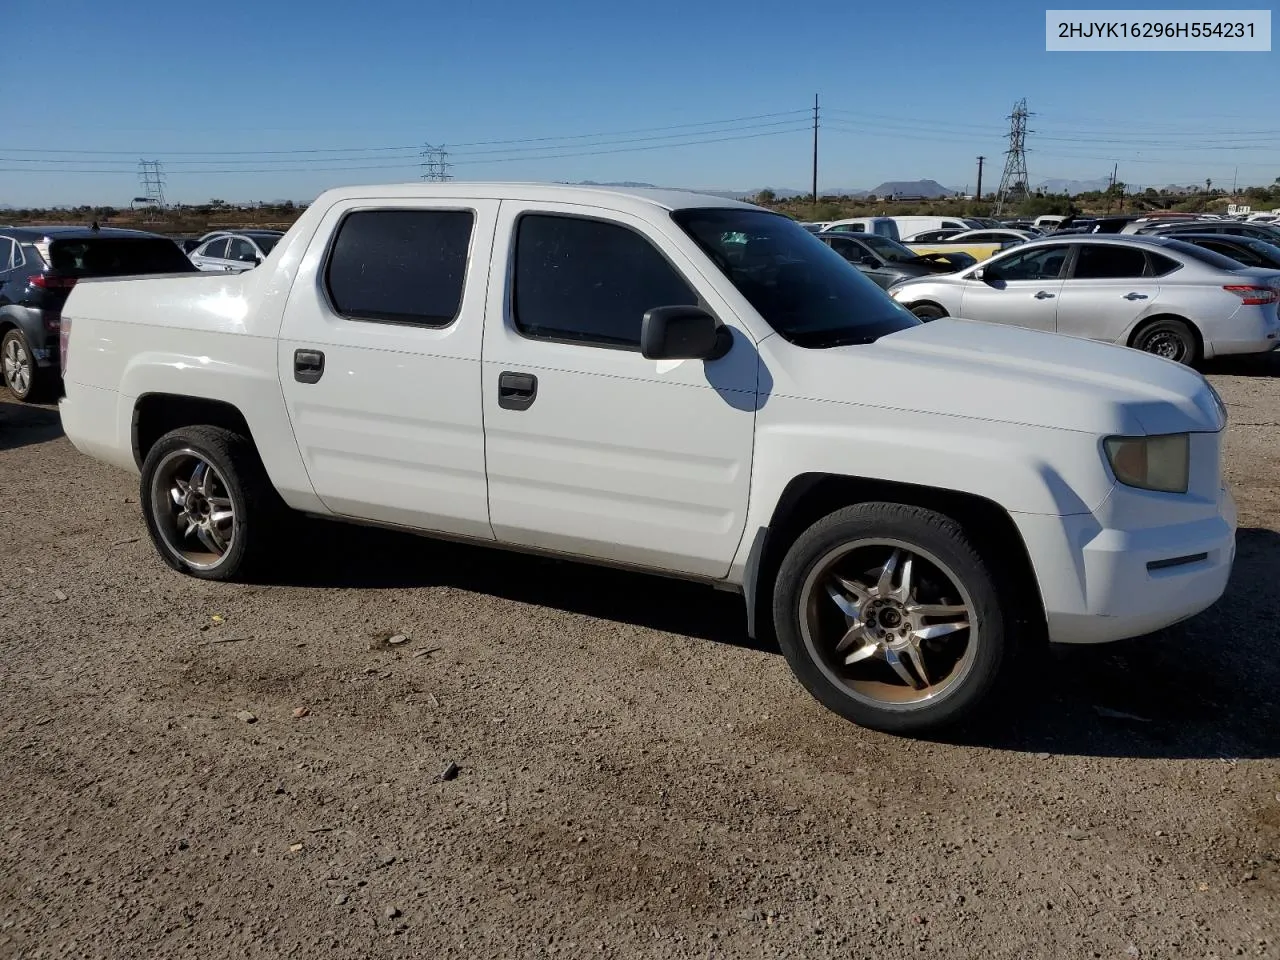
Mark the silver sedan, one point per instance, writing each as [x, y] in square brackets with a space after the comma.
[1156, 294]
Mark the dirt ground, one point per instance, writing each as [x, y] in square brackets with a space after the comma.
[635, 779]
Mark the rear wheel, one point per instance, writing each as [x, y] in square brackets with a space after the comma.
[928, 311]
[1171, 339]
[21, 375]
[889, 615]
[208, 503]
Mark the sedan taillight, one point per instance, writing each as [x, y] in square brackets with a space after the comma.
[1253, 295]
[46, 282]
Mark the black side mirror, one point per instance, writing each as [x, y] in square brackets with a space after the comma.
[683, 333]
[868, 260]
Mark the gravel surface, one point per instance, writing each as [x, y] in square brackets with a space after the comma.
[403, 748]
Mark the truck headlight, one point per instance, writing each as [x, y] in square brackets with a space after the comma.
[1151, 463]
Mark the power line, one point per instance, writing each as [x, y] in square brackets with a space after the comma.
[801, 128]
[412, 146]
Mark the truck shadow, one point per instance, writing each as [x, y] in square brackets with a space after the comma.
[25, 424]
[1205, 688]
[389, 559]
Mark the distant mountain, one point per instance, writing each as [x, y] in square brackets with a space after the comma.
[930, 189]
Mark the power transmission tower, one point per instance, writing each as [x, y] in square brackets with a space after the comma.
[435, 163]
[151, 176]
[1013, 182]
[981, 161]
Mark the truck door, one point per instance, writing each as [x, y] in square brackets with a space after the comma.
[593, 450]
[379, 360]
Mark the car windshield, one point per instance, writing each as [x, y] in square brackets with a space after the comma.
[889, 250]
[117, 256]
[803, 289]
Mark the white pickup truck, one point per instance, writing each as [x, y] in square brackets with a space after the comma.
[673, 383]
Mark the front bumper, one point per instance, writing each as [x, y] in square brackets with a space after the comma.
[1100, 584]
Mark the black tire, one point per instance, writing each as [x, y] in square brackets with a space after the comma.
[256, 507]
[922, 530]
[14, 346]
[1169, 338]
[928, 311]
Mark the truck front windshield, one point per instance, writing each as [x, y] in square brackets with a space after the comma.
[802, 288]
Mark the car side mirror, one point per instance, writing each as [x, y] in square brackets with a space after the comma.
[868, 260]
[683, 333]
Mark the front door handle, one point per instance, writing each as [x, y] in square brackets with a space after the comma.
[516, 391]
[1043, 295]
[1135, 296]
[308, 365]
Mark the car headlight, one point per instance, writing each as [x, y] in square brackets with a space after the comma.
[1151, 463]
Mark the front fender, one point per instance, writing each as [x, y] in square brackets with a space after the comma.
[1024, 470]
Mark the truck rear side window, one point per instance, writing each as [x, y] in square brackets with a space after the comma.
[400, 266]
[587, 281]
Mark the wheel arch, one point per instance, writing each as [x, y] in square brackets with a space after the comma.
[927, 302]
[155, 414]
[810, 496]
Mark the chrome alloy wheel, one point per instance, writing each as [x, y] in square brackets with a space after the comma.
[193, 509]
[888, 622]
[17, 366]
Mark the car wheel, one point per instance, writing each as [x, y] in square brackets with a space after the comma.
[928, 311]
[1171, 339]
[208, 503]
[21, 375]
[889, 615]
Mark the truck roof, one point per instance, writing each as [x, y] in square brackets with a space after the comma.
[668, 199]
[73, 232]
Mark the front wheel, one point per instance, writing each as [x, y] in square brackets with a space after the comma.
[928, 311]
[208, 503]
[889, 615]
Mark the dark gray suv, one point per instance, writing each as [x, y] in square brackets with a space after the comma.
[38, 268]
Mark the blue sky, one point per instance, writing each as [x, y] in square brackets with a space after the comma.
[908, 90]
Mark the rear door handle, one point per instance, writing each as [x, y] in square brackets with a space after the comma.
[516, 391]
[1043, 295]
[308, 365]
[1135, 296]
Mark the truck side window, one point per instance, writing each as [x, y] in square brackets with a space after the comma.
[589, 281]
[400, 266]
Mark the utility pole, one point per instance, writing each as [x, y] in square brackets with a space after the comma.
[1235, 181]
[815, 150]
[1111, 187]
[978, 195]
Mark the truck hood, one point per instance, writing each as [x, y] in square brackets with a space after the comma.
[988, 371]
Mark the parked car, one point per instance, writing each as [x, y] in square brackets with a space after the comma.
[1235, 228]
[1243, 250]
[1048, 222]
[186, 244]
[616, 376]
[235, 251]
[1157, 294]
[933, 236]
[880, 226]
[886, 261]
[1003, 235]
[38, 268]
[815, 227]
[908, 226]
